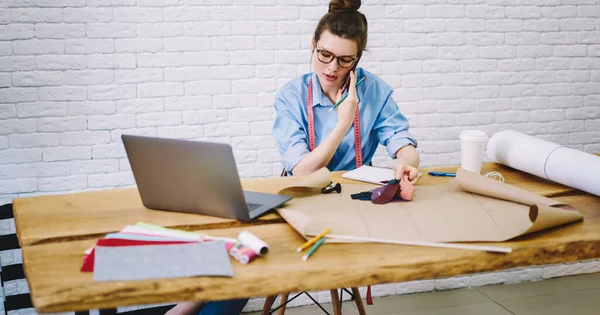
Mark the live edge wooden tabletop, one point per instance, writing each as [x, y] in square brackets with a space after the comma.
[55, 230]
[77, 216]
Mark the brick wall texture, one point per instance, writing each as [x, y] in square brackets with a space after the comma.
[76, 74]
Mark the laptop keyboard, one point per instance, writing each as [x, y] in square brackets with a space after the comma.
[253, 206]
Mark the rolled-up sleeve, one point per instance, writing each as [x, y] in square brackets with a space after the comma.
[289, 133]
[391, 127]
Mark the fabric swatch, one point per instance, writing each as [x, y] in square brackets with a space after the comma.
[161, 261]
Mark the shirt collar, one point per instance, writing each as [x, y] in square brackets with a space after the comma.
[319, 97]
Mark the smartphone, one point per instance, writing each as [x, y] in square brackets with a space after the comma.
[346, 84]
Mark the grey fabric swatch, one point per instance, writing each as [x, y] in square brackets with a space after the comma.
[162, 261]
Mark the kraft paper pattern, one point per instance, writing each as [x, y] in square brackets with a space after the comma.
[471, 208]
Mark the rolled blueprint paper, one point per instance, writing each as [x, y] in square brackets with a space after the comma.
[254, 243]
[545, 159]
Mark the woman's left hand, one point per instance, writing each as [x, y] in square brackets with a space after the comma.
[401, 168]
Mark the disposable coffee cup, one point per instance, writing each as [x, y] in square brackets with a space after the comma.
[472, 145]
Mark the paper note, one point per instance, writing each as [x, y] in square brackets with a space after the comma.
[140, 237]
[370, 174]
[169, 231]
[161, 261]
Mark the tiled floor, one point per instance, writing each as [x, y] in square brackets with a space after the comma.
[578, 295]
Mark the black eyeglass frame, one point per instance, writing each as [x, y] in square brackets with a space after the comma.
[333, 56]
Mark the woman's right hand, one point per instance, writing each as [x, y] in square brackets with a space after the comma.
[347, 108]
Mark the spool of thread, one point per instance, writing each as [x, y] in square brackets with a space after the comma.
[230, 245]
[241, 253]
[252, 241]
[245, 255]
[236, 248]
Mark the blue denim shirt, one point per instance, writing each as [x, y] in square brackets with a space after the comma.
[380, 121]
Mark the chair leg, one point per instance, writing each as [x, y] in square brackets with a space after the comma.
[335, 301]
[268, 304]
[284, 298]
[359, 302]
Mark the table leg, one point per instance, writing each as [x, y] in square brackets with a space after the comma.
[284, 298]
[359, 302]
[268, 304]
[335, 301]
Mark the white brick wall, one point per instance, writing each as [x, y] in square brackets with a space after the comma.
[76, 74]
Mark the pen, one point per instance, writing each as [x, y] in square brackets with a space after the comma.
[313, 249]
[442, 174]
[313, 240]
[346, 94]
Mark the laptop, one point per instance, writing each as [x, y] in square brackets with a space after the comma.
[193, 177]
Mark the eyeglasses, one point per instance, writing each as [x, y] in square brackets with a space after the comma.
[326, 56]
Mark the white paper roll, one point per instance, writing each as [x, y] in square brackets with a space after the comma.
[254, 243]
[520, 151]
[574, 168]
[545, 159]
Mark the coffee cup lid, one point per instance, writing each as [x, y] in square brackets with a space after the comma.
[473, 135]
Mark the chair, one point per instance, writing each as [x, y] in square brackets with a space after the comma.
[13, 278]
[12, 270]
[336, 299]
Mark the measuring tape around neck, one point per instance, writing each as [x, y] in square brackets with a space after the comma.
[357, 146]
[311, 128]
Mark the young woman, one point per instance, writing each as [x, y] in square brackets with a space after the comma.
[310, 134]
[304, 108]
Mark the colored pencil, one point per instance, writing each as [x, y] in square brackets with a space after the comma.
[313, 249]
[312, 241]
[346, 95]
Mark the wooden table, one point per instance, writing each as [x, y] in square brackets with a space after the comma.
[55, 230]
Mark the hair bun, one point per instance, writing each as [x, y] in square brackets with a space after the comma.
[344, 5]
